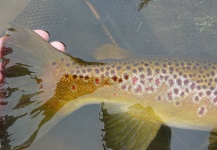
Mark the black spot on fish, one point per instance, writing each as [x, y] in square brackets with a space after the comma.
[96, 71]
[171, 69]
[140, 69]
[86, 77]
[212, 73]
[89, 69]
[134, 71]
[67, 65]
[164, 65]
[157, 63]
[128, 67]
[107, 68]
[54, 63]
[120, 80]
[118, 67]
[169, 63]
[126, 76]
[74, 76]
[114, 78]
[198, 87]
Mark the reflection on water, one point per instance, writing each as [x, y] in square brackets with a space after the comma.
[169, 27]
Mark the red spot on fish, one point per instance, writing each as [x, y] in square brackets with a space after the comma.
[97, 81]
[170, 95]
[157, 82]
[215, 100]
[196, 99]
[123, 87]
[159, 98]
[114, 94]
[134, 80]
[149, 88]
[176, 91]
[138, 89]
[177, 103]
[74, 87]
[150, 79]
[200, 94]
[182, 94]
[201, 111]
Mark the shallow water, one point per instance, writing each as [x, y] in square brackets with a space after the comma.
[81, 130]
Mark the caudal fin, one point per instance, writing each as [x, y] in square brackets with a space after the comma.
[29, 81]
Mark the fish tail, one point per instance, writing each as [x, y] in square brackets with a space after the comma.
[26, 59]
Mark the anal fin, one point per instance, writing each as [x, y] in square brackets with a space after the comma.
[130, 128]
[213, 140]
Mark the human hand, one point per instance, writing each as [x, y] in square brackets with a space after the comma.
[43, 34]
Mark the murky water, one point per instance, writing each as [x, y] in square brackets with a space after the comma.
[81, 130]
[9, 11]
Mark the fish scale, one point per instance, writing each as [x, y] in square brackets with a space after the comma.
[182, 79]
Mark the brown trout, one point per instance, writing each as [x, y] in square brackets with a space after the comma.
[42, 85]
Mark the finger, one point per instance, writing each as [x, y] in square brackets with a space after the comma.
[1, 77]
[43, 34]
[1, 46]
[58, 45]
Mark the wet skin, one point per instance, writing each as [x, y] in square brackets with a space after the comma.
[44, 35]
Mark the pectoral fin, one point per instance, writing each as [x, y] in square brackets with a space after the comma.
[213, 140]
[129, 128]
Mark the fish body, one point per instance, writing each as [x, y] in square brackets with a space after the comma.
[42, 85]
[181, 91]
